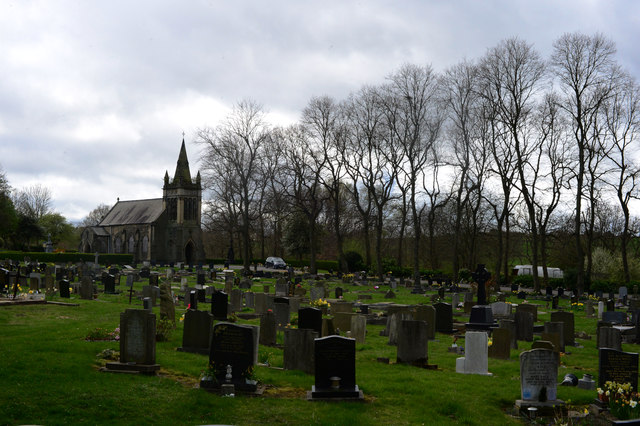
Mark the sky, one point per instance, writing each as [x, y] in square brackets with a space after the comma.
[95, 95]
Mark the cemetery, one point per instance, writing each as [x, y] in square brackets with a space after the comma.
[184, 344]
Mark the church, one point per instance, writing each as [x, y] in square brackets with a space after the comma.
[162, 230]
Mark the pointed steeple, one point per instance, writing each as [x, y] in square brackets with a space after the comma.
[183, 174]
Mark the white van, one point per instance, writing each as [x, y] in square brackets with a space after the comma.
[528, 270]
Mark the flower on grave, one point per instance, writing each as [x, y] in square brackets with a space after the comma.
[182, 318]
[376, 287]
[633, 403]
[30, 291]
[269, 310]
[600, 391]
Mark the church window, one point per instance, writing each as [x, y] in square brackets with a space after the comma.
[145, 244]
[132, 245]
[118, 245]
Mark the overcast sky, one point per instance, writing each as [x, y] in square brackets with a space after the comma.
[95, 95]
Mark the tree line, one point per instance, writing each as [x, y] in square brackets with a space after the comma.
[510, 143]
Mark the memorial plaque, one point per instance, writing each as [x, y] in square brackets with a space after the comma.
[617, 366]
[538, 375]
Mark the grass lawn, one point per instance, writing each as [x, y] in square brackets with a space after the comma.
[49, 375]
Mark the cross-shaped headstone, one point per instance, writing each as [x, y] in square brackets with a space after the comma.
[481, 276]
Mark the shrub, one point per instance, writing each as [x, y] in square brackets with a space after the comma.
[354, 261]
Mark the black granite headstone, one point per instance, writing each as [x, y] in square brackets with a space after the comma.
[236, 346]
[219, 302]
[335, 369]
[64, 288]
[617, 366]
[310, 318]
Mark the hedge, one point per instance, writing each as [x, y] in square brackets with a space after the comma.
[104, 259]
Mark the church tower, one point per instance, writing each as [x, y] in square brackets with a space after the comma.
[182, 203]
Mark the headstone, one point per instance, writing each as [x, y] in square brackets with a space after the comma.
[444, 317]
[538, 377]
[511, 326]
[609, 337]
[455, 300]
[197, 332]
[137, 342]
[268, 329]
[569, 326]
[338, 292]
[588, 308]
[614, 317]
[219, 305]
[282, 289]
[617, 366]
[556, 329]
[283, 314]
[481, 276]
[245, 284]
[150, 292]
[524, 326]
[146, 304]
[413, 343]
[335, 369]
[310, 318]
[63, 286]
[167, 305]
[427, 314]
[600, 309]
[317, 293]
[528, 307]
[359, 328]
[86, 288]
[109, 282]
[237, 346]
[554, 302]
[342, 321]
[299, 349]
[501, 310]
[476, 356]
[193, 299]
[249, 299]
[500, 343]
[236, 300]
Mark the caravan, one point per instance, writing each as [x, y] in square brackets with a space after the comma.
[528, 270]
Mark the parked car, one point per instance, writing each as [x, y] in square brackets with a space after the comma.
[275, 263]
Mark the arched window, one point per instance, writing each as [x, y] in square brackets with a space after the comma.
[118, 245]
[145, 244]
[132, 245]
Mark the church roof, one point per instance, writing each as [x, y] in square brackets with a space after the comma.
[133, 212]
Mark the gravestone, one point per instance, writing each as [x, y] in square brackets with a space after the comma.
[196, 336]
[282, 288]
[569, 326]
[86, 288]
[245, 284]
[614, 317]
[393, 325]
[268, 329]
[476, 354]
[556, 329]
[524, 326]
[335, 369]
[299, 349]
[617, 366]
[538, 379]
[237, 346]
[283, 314]
[342, 321]
[413, 343]
[554, 302]
[359, 328]
[480, 276]
[109, 282]
[63, 286]
[588, 308]
[192, 299]
[338, 292]
[236, 300]
[317, 293]
[341, 307]
[167, 306]
[249, 299]
[528, 307]
[600, 309]
[500, 343]
[260, 303]
[444, 318]
[501, 310]
[150, 292]
[310, 318]
[427, 314]
[137, 342]
[511, 326]
[455, 300]
[609, 337]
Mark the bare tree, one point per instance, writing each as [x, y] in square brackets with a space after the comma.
[234, 149]
[512, 73]
[34, 201]
[417, 127]
[622, 114]
[96, 215]
[585, 68]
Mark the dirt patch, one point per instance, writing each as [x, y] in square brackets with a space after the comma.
[271, 391]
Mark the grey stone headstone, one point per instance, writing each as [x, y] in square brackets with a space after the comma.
[524, 326]
[528, 307]
[249, 299]
[86, 288]
[342, 321]
[569, 326]
[268, 329]
[501, 309]
[556, 328]
[359, 328]
[538, 371]
[413, 343]
[236, 300]
[260, 303]
[609, 337]
[427, 314]
[283, 312]
[298, 351]
[476, 359]
[394, 322]
[138, 337]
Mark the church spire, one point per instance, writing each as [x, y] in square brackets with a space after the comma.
[183, 174]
